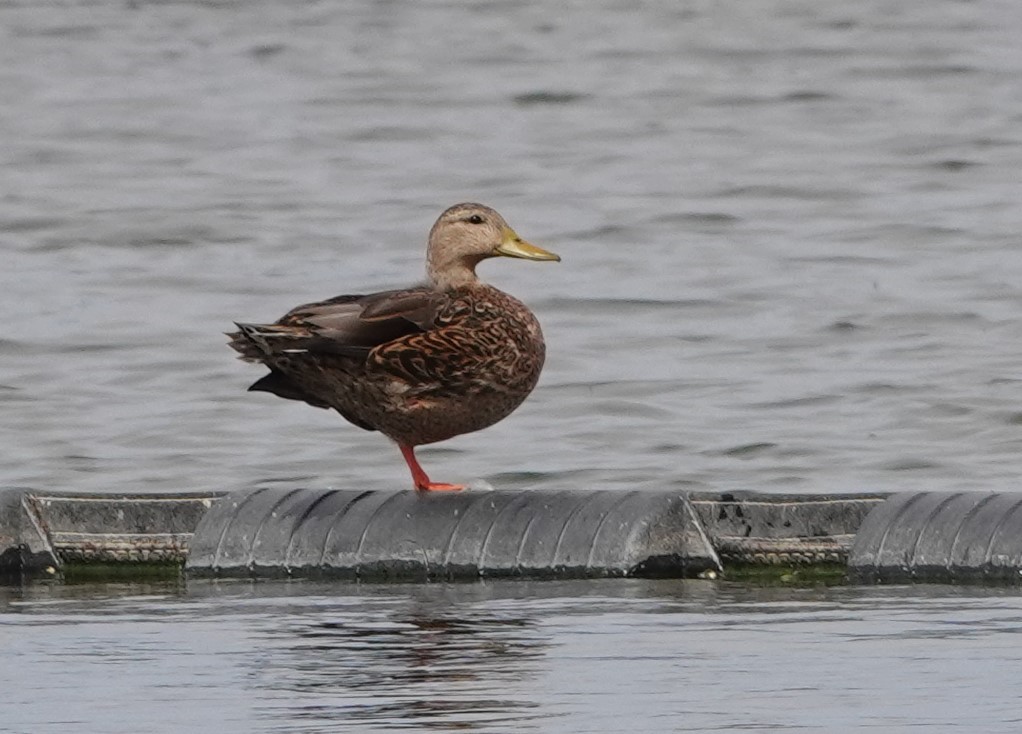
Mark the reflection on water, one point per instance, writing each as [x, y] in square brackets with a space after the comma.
[435, 671]
[558, 657]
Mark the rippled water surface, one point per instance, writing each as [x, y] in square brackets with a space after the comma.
[791, 261]
[618, 656]
[790, 234]
[589, 656]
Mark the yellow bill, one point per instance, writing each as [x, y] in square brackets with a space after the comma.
[515, 246]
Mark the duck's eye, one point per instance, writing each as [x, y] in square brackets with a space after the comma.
[475, 219]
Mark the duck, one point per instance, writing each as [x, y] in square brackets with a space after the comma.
[421, 364]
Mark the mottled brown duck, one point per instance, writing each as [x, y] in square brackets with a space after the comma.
[419, 365]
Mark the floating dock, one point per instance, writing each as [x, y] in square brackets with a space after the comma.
[928, 537]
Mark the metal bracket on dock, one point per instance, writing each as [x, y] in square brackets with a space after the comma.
[42, 532]
[25, 548]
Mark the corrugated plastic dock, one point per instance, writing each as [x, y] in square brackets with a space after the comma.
[928, 537]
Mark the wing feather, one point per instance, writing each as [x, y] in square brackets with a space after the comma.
[350, 325]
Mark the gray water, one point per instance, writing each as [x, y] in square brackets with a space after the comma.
[791, 261]
[620, 656]
[790, 234]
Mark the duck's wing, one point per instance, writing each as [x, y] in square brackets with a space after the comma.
[350, 325]
[346, 326]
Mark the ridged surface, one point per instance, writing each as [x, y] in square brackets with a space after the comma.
[406, 534]
[941, 537]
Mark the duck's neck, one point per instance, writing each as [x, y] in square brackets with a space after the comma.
[452, 275]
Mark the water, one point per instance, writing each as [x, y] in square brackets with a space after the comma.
[789, 230]
[791, 262]
[577, 657]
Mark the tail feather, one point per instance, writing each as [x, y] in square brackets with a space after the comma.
[245, 348]
[257, 342]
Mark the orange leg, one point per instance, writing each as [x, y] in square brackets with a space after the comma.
[422, 482]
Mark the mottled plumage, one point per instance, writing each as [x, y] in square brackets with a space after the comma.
[421, 364]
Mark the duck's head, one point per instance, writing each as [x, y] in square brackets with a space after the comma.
[466, 234]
